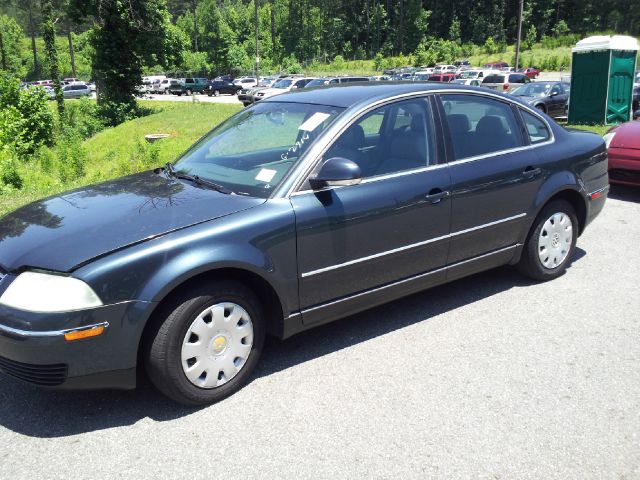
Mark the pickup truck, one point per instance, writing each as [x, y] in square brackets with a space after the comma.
[188, 86]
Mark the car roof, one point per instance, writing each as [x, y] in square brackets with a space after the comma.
[349, 94]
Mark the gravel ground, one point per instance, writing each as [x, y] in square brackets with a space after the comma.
[489, 377]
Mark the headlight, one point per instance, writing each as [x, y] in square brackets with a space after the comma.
[41, 292]
[608, 137]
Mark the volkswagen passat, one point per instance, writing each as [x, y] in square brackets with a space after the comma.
[302, 209]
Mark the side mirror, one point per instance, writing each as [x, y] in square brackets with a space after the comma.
[336, 171]
[554, 93]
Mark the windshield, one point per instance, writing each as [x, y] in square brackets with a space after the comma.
[535, 89]
[251, 152]
[469, 74]
[317, 82]
[285, 83]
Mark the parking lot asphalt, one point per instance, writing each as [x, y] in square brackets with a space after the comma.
[488, 377]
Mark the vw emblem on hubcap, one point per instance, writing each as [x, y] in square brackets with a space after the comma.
[219, 344]
[556, 240]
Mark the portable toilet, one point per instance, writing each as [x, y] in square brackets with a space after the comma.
[602, 73]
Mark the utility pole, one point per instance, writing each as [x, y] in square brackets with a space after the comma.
[194, 4]
[519, 33]
[257, 44]
[2, 53]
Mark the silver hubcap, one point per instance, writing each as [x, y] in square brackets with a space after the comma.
[555, 240]
[217, 345]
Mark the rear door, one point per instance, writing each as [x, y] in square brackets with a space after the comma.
[392, 226]
[494, 180]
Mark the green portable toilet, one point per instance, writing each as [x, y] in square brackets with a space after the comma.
[602, 72]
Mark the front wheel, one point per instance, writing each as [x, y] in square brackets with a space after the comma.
[208, 344]
[216, 93]
[549, 248]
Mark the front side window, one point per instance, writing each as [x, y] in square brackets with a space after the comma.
[393, 138]
[479, 125]
[251, 152]
[536, 128]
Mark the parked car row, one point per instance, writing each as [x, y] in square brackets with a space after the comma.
[75, 89]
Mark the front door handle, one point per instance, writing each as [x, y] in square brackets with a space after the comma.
[436, 195]
[531, 172]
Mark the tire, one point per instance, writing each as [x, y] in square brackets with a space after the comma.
[549, 248]
[216, 93]
[189, 92]
[208, 94]
[167, 347]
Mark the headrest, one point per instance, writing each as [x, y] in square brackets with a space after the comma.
[490, 125]
[458, 123]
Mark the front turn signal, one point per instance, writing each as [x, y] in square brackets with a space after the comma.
[93, 331]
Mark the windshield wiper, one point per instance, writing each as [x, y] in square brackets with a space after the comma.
[172, 172]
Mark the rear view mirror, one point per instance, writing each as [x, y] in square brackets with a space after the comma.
[336, 171]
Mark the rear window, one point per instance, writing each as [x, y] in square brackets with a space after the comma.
[517, 78]
[493, 79]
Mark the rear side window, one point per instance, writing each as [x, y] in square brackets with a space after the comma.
[479, 125]
[536, 128]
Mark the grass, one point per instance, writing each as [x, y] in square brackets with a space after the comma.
[122, 150]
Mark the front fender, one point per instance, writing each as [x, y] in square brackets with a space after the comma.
[260, 241]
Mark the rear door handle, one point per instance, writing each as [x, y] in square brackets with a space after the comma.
[436, 195]
[531, 172]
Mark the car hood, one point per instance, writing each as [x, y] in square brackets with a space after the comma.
[627, 136]
[62, 232]
[529, 98]
[273, 91]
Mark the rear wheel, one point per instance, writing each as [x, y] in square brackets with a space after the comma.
[207, 345]
[551, 242]
[216, 93]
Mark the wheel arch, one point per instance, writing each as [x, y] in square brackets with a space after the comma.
[266, 293]
[574, 198]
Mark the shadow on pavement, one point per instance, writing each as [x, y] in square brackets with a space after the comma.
[31, 411]
[625, 193]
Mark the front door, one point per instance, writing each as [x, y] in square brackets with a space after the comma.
[392, 226]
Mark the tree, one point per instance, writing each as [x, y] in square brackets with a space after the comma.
[10, 45]
[49, 36]
[126, 37]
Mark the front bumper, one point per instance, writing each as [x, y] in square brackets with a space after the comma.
[624, 166]
[33, 347]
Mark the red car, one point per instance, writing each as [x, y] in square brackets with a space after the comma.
[531, 72]
[442, 77]
[623, 144]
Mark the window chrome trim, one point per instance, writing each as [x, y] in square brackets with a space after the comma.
[310, 160]
[409, 247]
[15, 332]
[526, 108]
[410, 279]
